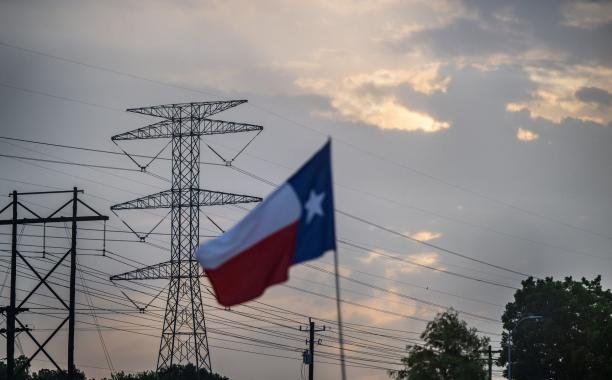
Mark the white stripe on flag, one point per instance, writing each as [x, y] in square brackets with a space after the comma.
[277, 211]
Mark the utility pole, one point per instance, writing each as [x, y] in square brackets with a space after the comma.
[309, 358]
[490, 363]
[14, 309]
[11, 312]
[489, 359]
[71, 320]
[183, 337]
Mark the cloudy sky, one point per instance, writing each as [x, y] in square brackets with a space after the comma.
[483, 127]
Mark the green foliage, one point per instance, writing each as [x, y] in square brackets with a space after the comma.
[22, 372]
[182, 372]
[177, 372]
[451, 351]
[50, 374]
[21, 363]
[573, 341]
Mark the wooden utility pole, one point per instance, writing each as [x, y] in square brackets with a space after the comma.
[311, 343]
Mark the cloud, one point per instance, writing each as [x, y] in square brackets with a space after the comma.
[386, 113]
[345, 7]
[370, 258]
[526, 135]
[594, 95]
[424, 79]
[426, 235]
[389, 302]
[395, 270]
[587, 14]
[363, 97]
[558, 91]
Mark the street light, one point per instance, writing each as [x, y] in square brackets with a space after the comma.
[536, 317]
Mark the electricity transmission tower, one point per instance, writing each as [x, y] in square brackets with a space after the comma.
[66, 311]
[183, 338]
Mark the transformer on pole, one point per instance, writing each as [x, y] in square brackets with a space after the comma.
[183, 337]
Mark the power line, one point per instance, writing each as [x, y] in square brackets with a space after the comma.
[301, 125]
[427, 288]
[402, 295]
[405, 236]
[408, 237]
[68, 163]
[263, 180]
[97, 150]
[430, 245]
[441, 270]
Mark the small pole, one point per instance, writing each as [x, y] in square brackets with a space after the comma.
[340, 333]
[490, 363]
[311, 348]
[71, 316]
[11, 312]
[510, 355]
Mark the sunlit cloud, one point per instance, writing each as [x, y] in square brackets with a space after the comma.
[353, 101]
[396, 270]
[393, 269]
[496, 60]
[587, 14]
[356, 6]
[425, 79]
[388, 302]
[370, 258]
[526, 135]
[428, 258]
[555, 97]
[426, 235]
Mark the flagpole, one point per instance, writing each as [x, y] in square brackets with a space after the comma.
[337, 278]
[340, 332]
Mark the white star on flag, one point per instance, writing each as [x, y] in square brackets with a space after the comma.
[313, 205]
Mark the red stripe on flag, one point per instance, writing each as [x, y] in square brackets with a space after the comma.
[247, 275]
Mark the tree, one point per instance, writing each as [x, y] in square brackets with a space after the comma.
[451, 351]
[22, 364]
[572, 341]
[22, 372]
[53, 374]
[175, 372]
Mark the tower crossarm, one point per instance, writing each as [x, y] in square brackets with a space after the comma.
[161, 271]
[151, 272]
[194, 110]
[171, 128]
[164, 199]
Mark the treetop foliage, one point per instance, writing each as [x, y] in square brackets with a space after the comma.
[451, 351]
[176, 372]
[572, 341]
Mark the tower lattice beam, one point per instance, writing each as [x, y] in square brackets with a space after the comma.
[171, 128]
[194, 110]
[202, 198]
[161, 271]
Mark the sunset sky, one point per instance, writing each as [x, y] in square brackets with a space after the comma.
[483, 127]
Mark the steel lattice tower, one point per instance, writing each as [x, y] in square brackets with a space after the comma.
[183, 338]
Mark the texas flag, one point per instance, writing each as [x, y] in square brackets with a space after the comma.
[294, 224]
